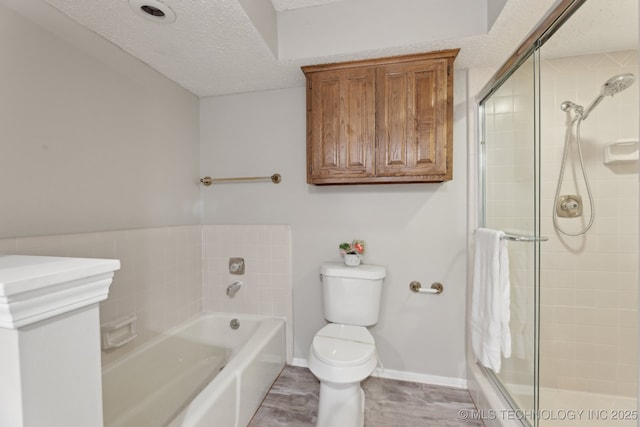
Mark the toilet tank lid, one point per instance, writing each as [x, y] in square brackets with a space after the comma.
[363, 271]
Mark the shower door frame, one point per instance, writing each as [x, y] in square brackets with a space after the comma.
[563, 10]
[526, 416]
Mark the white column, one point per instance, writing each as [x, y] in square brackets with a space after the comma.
[50, 340]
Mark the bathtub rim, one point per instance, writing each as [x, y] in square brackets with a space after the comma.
[174, 330]
[488, 399]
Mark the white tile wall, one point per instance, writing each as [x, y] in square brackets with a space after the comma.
[160, 280]
[266, 285]
[589, 284]
[171, 274]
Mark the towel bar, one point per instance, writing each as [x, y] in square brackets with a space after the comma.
[523, 238]
[276, 178]
[436, 288]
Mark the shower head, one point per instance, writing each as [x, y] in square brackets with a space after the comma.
[617, 84]
[612, 86]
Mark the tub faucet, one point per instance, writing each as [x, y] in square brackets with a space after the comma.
[233, 288]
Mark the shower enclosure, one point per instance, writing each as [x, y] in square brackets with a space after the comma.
[558, 172]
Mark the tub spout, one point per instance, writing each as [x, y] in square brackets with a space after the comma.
[233, 288]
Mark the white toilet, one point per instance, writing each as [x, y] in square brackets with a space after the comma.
[343, 353]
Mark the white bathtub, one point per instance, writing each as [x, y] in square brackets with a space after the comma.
[179, 380]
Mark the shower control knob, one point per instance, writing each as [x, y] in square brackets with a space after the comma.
[569, 206]
[236, 266]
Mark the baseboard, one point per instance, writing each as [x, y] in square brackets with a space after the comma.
[392, 374]
[299, 362]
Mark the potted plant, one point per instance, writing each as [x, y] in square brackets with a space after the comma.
[352, 252]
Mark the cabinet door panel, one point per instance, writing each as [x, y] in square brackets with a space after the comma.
[359, 118]
[342, 124]
[328, 126]
[411, 121]
[395, 120]
[426, 118]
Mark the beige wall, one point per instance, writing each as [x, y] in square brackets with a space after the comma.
[97, 143]
[90, 138]
[93, 141]
[417, 231]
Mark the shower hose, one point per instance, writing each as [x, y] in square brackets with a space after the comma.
[565, 155]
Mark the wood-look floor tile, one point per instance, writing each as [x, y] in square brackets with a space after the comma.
[293, 402]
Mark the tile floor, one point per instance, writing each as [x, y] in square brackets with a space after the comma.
[293, 402]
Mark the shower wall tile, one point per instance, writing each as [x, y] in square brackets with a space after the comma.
[267, 283]
[160, 280]
[590, 342]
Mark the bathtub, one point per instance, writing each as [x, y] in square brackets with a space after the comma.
[203, 373]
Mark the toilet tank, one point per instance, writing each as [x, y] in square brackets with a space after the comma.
[351, 295]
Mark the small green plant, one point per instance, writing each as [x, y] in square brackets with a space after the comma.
[355, 247]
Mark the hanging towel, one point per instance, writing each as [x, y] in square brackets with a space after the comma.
[490, 301]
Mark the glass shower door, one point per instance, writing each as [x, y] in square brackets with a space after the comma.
[509, 159]
[574, 296]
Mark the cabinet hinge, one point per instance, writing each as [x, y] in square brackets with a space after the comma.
[309, 81]
[448, 69]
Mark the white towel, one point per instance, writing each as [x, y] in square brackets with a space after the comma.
[490, 311]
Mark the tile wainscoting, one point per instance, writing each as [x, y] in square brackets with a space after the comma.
[170, 274]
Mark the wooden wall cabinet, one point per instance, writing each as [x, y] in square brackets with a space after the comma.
[381, 121]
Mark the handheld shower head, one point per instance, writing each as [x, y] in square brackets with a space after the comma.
[617, 84]
[612, 86]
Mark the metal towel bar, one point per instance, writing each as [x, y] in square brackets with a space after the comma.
[276, 178]
[524, 238]
[436, 288]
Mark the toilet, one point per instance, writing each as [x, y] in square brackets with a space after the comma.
[343, 353]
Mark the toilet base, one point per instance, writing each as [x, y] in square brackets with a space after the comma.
[340, 405]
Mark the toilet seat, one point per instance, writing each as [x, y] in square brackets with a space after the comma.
[343, 345]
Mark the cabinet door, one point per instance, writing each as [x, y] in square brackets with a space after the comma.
[340, 125]
[413, 120]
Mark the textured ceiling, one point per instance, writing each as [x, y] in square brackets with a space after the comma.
[281, 5]
[217, 47]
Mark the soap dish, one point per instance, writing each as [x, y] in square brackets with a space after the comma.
[621, 151]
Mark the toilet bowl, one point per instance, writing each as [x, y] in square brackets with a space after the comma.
[341, 356]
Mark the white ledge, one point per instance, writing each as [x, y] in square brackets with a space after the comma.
[34, 288]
